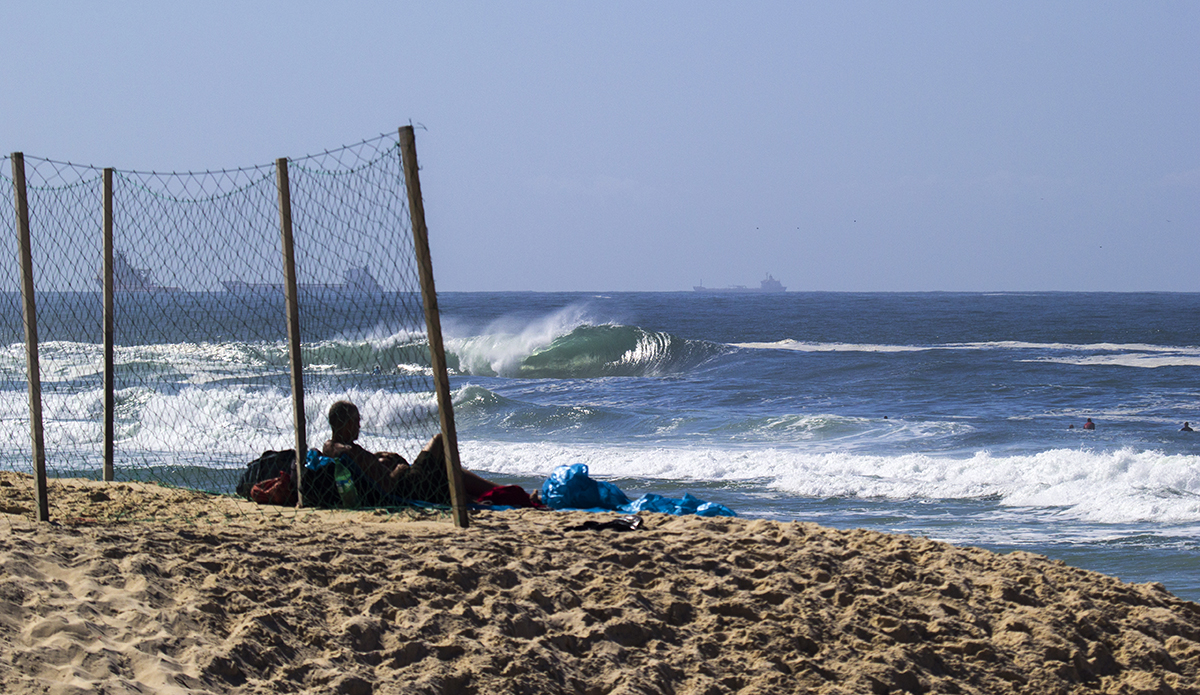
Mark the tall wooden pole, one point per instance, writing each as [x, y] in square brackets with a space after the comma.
[433, 325]
[29, 315]
[106, 275]
[291, 299]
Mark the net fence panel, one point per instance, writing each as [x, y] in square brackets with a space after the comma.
[202, 371]
[361, 315]
[200, 384]
[64, 203]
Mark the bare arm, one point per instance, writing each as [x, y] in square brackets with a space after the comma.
[385, 468]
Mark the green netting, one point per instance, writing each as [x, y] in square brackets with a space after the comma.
[202, 376]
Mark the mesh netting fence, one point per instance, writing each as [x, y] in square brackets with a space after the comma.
[201, 373]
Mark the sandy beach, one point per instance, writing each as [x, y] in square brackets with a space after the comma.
[226, 598]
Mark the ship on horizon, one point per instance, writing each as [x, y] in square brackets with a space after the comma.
[127, 278]
[769, 285]
[358, 281]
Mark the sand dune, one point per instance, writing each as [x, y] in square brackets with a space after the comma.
[223, 601]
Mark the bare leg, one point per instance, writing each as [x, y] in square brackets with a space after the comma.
[473, 484]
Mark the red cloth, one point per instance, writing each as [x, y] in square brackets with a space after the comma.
[278, 490]
[509, 496]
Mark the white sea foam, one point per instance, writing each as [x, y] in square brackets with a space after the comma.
[1111, 354]
[500, 348]
[207, 425]
[1143, 360]
[802, 346]
[203, 363]
[828, 429]
[1100, 487]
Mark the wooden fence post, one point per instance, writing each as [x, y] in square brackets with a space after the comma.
[433, 325]
[292, 299]
[29, 315]
[106, 275]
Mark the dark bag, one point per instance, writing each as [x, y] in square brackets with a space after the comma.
[279, 490]
[318, 486]
[270, 465]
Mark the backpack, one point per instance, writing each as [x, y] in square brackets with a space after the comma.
[279, 490]
[266, 467]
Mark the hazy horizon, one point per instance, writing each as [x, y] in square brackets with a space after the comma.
[860, 146]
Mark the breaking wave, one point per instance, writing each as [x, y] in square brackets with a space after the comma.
[579, 351]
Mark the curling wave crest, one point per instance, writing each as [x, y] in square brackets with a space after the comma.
[568, 346]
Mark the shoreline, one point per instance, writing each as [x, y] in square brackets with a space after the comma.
[234, 598]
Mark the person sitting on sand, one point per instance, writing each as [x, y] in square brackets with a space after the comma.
[425, 479]
[1089, 425]
[1186, 428]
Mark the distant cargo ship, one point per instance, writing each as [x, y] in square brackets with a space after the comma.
[358, 281]
[768, 285]
[127, 278]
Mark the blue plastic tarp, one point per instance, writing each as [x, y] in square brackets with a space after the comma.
[570, 487]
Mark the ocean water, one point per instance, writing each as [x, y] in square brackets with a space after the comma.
[936, 414]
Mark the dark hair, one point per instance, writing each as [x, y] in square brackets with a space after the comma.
[341, 413]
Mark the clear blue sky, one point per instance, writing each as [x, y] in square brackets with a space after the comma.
[652, 145]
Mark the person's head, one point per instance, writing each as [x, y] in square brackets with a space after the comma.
[344, 421]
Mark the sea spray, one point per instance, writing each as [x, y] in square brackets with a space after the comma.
[567, 344]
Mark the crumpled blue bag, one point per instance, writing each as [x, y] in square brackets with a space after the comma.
[569, 487]
[688, 504]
